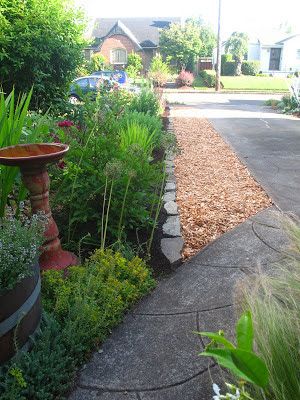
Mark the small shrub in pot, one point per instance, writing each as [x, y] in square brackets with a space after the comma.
[185, 78]
[19, 283]
[19, 249]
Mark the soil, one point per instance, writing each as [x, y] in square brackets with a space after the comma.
[215, 191]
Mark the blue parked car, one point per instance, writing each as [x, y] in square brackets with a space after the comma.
[118, 76]
[89, 84]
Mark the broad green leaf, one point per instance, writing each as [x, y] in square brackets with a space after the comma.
[252, 366]
[224, 358]
[217, 338]
[244, 332]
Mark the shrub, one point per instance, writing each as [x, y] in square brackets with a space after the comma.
[229, 68]
[82, 308]
[185, 78]
[146, 102]
[47, 52]
[19, 248]
[227, 57]
[288, 104]
[250, 67]
[134, 65]
[97, 63]
[158, 71]
[208, 77]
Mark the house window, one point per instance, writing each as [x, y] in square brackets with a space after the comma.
[298, 54]
[118, 56]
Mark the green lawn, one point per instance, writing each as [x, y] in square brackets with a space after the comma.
[250, 83]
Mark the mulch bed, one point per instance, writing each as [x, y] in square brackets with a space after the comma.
[215, 191]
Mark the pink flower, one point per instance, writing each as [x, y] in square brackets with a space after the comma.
[65, 124]
[61, 164]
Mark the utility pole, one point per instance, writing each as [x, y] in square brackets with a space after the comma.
[218, 66]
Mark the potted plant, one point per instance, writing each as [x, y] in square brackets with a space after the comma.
[20, 311]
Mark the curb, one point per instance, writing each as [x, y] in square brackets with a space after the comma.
[171, 244]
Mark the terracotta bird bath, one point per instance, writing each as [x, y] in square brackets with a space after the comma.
[32, 160]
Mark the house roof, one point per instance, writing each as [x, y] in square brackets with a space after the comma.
[288, 38]
[142, 31]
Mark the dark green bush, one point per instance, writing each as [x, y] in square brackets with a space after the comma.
[250, 67]
[81, 311]
[41, 45]
[209, 77]
[229, 68]
[224, 59]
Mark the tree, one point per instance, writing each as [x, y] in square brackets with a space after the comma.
[181, 43]
[41, 43]
[237, 45]
[207, 36]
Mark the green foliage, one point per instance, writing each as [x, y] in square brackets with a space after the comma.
[81, 311]
[181, 44]
[138, 137]
[207, 36]
[159, 71]
[43, 374]
[146, 102]
[151, 122]
[97, 63]
[12, 119]
[275, 308]
[19, 248]
[227, 64]
[84, 175]
[229, 68]
[94, 297]
[288, 104]
[40, 45]
[134, 65]
[237, 45]
[250, 67]
[208, 77]
[240, 360]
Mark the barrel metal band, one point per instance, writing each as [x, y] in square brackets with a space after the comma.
[15, 318]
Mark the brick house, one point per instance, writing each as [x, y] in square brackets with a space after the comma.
[115, 38]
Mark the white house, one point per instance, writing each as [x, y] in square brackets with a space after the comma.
[280, 57]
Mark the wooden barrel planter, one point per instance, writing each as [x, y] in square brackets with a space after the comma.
[20, 314]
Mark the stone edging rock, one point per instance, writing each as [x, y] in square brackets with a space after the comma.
[172, 242]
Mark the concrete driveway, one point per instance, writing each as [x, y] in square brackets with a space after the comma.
[266, 141]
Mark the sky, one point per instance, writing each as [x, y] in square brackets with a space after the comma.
[256, 17]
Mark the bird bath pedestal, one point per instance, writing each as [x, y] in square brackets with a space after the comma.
[32, 160]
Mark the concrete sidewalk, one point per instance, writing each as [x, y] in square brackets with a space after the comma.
[152, 355]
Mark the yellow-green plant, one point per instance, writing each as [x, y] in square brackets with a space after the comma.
[135, 134]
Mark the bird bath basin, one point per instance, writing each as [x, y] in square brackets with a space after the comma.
[32, 160]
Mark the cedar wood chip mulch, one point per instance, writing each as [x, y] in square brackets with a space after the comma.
[215, 191]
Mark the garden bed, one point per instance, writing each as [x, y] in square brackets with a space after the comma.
[215, 191]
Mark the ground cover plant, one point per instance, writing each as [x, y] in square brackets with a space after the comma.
[80, 312]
